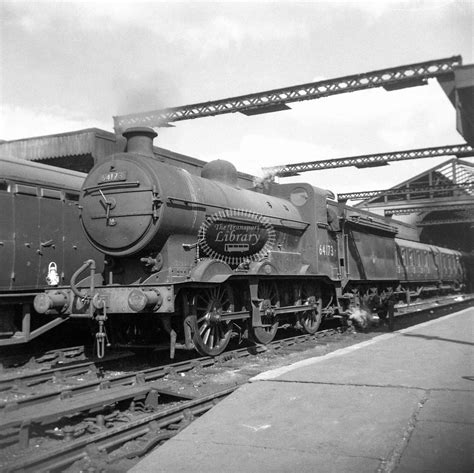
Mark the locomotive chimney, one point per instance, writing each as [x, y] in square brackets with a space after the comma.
[140, 140]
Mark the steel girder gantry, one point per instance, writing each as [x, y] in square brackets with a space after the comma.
[278, 99]
[370, 160]
[413, 191]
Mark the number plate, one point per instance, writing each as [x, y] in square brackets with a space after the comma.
[113, 176]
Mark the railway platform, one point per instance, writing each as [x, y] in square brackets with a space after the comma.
[400, 402]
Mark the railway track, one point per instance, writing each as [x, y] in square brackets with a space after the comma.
[66, 361]
[69, 369]
[152, 429]
[137, 405]
[48, 358]
[130, 381]
[149, 387]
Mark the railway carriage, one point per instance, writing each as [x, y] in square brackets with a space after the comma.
[40, 240]
[428, 268]
[199, 259]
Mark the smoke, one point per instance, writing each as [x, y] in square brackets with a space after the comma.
[268, 177]
[145, 92]
[362, 318]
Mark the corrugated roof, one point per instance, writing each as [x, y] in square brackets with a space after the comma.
[453, 171]
[88, 141]
[92, 142]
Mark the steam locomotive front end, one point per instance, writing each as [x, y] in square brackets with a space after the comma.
[120, 200]
[121, 215]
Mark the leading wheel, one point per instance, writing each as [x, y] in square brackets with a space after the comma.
[211, 334]
[310, 320]
[268, 292]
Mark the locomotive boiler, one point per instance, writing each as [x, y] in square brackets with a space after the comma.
[200, 259]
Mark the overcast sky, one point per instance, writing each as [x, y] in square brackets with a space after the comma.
[72, 65]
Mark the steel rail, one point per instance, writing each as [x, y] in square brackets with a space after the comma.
[114, 437]
[124, 381]
[67, 370]
[277, 99]
[130, 380]
[30, 379]
[279, 345]
[58, 355]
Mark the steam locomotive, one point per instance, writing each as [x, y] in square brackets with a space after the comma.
[200, 259]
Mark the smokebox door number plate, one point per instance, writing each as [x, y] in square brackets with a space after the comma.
[113, 176]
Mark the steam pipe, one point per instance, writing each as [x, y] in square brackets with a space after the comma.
[74, 289]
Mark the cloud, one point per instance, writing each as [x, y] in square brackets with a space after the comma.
[117, 58]
[378, 8]
[201, 28]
